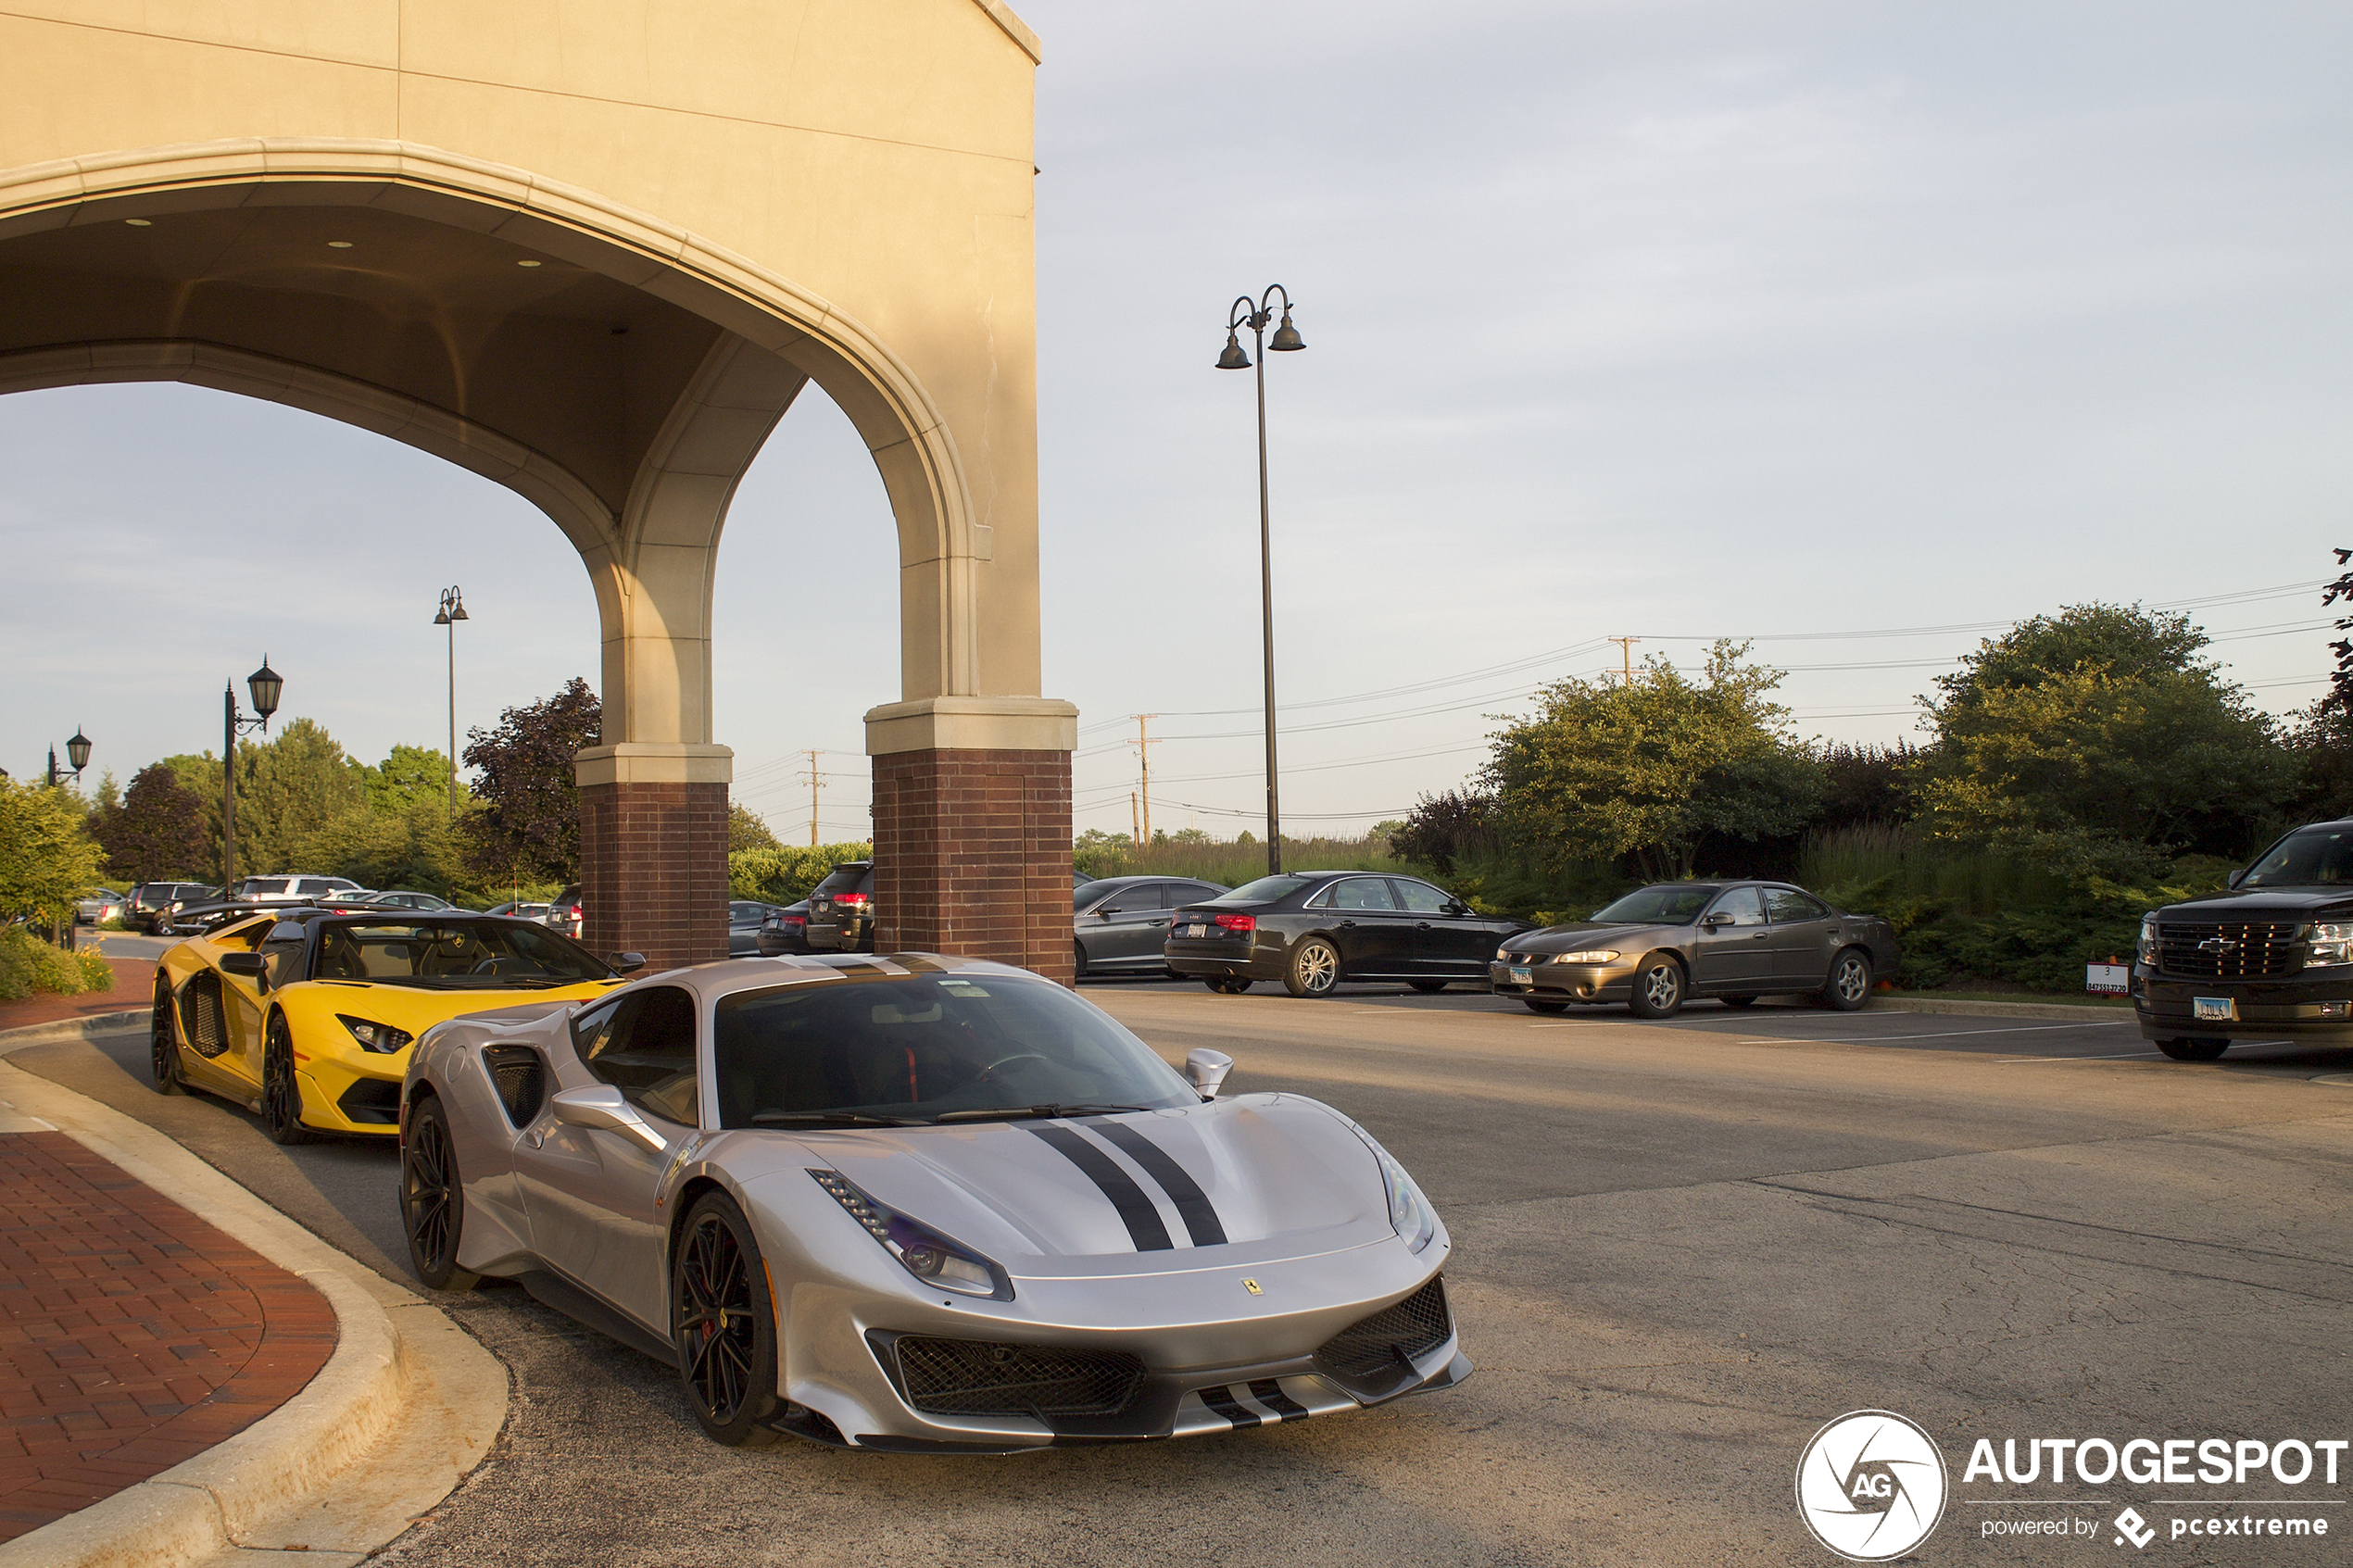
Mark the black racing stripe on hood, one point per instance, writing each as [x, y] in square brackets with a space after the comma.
[1135, 1210]
[1192, 1204]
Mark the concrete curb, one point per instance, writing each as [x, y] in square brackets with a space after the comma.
[403, 1410]
[86, 1028]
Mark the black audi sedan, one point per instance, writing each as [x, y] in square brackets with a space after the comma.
[1312, 930]
[1735, 941]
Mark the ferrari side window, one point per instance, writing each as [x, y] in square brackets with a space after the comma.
[648, 1052]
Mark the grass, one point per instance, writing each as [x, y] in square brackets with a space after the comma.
[1902, 860]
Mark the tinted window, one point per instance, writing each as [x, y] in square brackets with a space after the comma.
[281, 950]
[1673, 903]
[1193, 893]
[1420, 898]
[443, 953]
[2317, 856]
[645, 1047]
[924, 1046]
[1363, 893]
[843, 879]
[1740, 905]
[1264, 890]
[743, 915]
[256, 886]
[1787, 905]
[312, 887]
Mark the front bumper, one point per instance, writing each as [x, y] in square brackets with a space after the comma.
[358, 1098]
[2320, 1007]
[1563, 981]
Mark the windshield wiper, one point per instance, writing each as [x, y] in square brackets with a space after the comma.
[830, 1119]
[1023, 1113]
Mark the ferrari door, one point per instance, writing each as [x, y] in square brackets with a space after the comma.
[588, 1192]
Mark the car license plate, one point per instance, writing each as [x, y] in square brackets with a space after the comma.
[2214, 1009]
[1196, 932]
[1523, 977]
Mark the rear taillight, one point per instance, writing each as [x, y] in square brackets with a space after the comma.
[1238, 922]
[859, 899]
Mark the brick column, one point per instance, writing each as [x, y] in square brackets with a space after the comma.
[653, 864]
[972, 856]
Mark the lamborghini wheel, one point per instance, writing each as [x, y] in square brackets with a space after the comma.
[281, 1091]
[724, 1325]
[163, 1043]
[433, 1199]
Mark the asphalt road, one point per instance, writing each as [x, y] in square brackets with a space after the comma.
[1679, 1250]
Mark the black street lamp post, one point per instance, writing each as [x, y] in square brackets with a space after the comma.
[77, 756]
[1255, 315]
[453, 610]
[266, 684]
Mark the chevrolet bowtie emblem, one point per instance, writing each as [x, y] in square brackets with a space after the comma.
[1251, 1286]
[2217, 946]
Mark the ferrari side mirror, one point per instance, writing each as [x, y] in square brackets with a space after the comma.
[602, 1106]
[1206, 1069]
[628, 963]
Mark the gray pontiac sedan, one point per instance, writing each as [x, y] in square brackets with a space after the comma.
[1660, 946]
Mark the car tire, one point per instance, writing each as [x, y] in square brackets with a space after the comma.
[163, 1040]
[1078, 966]
[281, 1088]
[1849, 986]
[724, 1325]
[1658, 988]
[1313, 969]
[1550, 1009]
[1428, 987]
[433, 1197]
[2194, 1050]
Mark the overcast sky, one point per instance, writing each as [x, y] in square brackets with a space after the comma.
[1671, 320]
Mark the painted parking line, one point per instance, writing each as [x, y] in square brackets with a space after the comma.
[1937, 1034]
[2107, 1056]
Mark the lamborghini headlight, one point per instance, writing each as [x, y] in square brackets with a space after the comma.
[382, 1038]
[920, 1250]
[1587, 955]
[2331, 944]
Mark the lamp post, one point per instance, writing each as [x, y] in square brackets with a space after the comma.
[453, 610]
[266, 684]
[77, 756]
[1255, 315]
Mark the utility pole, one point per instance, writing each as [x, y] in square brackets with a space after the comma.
[1144, 745]
[1134, 831]
[1625, 646]
[813, 788]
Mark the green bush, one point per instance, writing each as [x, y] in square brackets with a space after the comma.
[784, 876]
[30, 965]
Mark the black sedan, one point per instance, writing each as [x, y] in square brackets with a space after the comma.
[785, 930]
[1736, 941]
[1119, 925]
[1312, 930]
[745, 918]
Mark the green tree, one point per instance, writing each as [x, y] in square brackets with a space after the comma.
[1654, 768]
[46, 854]
[784, 874]
[2099, 742]
[529, 828]
[288, 789]
[411, 775]
[157, 834]
[748, 830]
[412, 849]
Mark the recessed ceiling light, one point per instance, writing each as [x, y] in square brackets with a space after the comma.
[526, 264]
[338, 245]
[139, 223]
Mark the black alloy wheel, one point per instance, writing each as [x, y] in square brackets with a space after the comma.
[1545, 1006]
[1850, 982]
[2194, 1050]
[1078, 967]
[724, 1325]
[1658, 988]
[163, 1040]
[1428, 987]
[281, 1091]
[1313, 969]
[433, 1199]
[1738, 1001]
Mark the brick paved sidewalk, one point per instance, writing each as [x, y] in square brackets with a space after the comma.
[133, 991]
[133, 1335]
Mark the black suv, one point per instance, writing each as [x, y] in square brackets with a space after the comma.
[151, 900]
[2272, 956]
[841, 911]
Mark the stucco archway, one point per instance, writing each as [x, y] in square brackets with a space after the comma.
[620, 372]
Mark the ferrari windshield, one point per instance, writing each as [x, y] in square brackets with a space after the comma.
[1673, 903]
[482, 955]
[2315, 857]
[923, 1048]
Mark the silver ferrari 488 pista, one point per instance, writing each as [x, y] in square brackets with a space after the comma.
[922, 1204]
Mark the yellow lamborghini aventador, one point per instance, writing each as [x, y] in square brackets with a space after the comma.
[306, 1015]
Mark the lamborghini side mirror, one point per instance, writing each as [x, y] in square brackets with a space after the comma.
[252, 966]
[628, 963]
[1206, 1069]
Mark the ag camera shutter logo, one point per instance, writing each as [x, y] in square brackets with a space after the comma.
[1871, 1486]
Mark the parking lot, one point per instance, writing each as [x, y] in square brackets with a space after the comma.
[1679, 1250]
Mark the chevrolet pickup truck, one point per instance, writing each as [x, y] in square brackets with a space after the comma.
[2272, 958]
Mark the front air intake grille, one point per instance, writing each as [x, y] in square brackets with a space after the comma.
[973, 1377]
[371, 1102]
[2256, 951]
[521, 1078]
[1414, 1326]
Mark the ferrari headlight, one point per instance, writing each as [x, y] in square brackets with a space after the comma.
[2332, 944]
[382, 1038]
[920, 1250]
[1587, 955]
[1409, 1212]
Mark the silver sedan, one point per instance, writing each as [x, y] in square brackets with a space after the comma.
[922, 1204]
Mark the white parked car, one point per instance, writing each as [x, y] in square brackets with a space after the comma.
[295, 889]
[100, 905]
